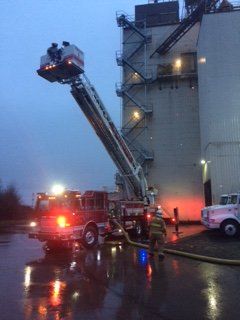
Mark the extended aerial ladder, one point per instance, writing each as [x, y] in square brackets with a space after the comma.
[69, 69]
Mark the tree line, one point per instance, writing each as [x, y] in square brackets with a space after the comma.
[11, 207]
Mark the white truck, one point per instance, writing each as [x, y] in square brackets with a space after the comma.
[225, 216]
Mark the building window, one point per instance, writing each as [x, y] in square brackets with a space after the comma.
[189, 62]
[164, 70]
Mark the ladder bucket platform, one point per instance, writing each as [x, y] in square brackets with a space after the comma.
[61, 64]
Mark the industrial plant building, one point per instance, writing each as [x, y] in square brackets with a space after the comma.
[180, 94]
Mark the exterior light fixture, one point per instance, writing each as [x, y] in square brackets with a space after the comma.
[135, 76]
[202, 60]
[203, 162]
[136, 115]
[178, 63]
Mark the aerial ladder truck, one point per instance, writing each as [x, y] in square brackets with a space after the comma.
[66, 66]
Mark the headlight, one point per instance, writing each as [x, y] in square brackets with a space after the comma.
[33, 224]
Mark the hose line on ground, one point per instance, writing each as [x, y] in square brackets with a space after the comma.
[181, 253]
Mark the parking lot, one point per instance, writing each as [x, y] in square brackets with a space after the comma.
[113, 282]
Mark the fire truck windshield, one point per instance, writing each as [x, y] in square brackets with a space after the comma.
[52, 203]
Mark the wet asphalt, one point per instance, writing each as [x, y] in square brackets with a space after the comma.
[111, 282]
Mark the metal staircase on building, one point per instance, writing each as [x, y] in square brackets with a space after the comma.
[125, 21]
[122, 90]
[186, 24]
[136, 78]
[123, 60]
[142, 155]
[131, 125]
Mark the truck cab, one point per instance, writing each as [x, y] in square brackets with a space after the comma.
[225, 216]
[224, 199]
[63, 219]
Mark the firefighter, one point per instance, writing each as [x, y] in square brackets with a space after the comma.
[54, 53]
[157, 234]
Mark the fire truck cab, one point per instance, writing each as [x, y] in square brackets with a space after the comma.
[63, 219]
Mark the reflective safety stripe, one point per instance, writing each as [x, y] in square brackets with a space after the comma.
[155, 225]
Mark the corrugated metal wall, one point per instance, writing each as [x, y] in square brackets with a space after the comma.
[219, 100]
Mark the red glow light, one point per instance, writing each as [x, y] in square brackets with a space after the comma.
[189, 206]
[61, 221]
[149, 271]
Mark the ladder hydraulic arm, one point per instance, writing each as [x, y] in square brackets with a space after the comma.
[93, 108]
[66, 66]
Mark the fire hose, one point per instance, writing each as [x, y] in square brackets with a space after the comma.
[181, 253]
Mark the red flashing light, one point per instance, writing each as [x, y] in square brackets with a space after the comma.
[173, 219]
[149, 216]
[61, 221]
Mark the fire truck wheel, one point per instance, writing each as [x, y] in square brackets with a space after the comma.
[90, 237]
[230, 228]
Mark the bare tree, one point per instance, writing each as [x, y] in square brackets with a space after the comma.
[10, 203]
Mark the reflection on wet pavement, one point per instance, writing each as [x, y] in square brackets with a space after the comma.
[184, 231]
[212, 292]
[110, 282]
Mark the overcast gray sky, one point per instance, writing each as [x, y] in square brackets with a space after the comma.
[44, 137]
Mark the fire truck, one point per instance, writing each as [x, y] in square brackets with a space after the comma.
[66, 66]
[69, 217]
